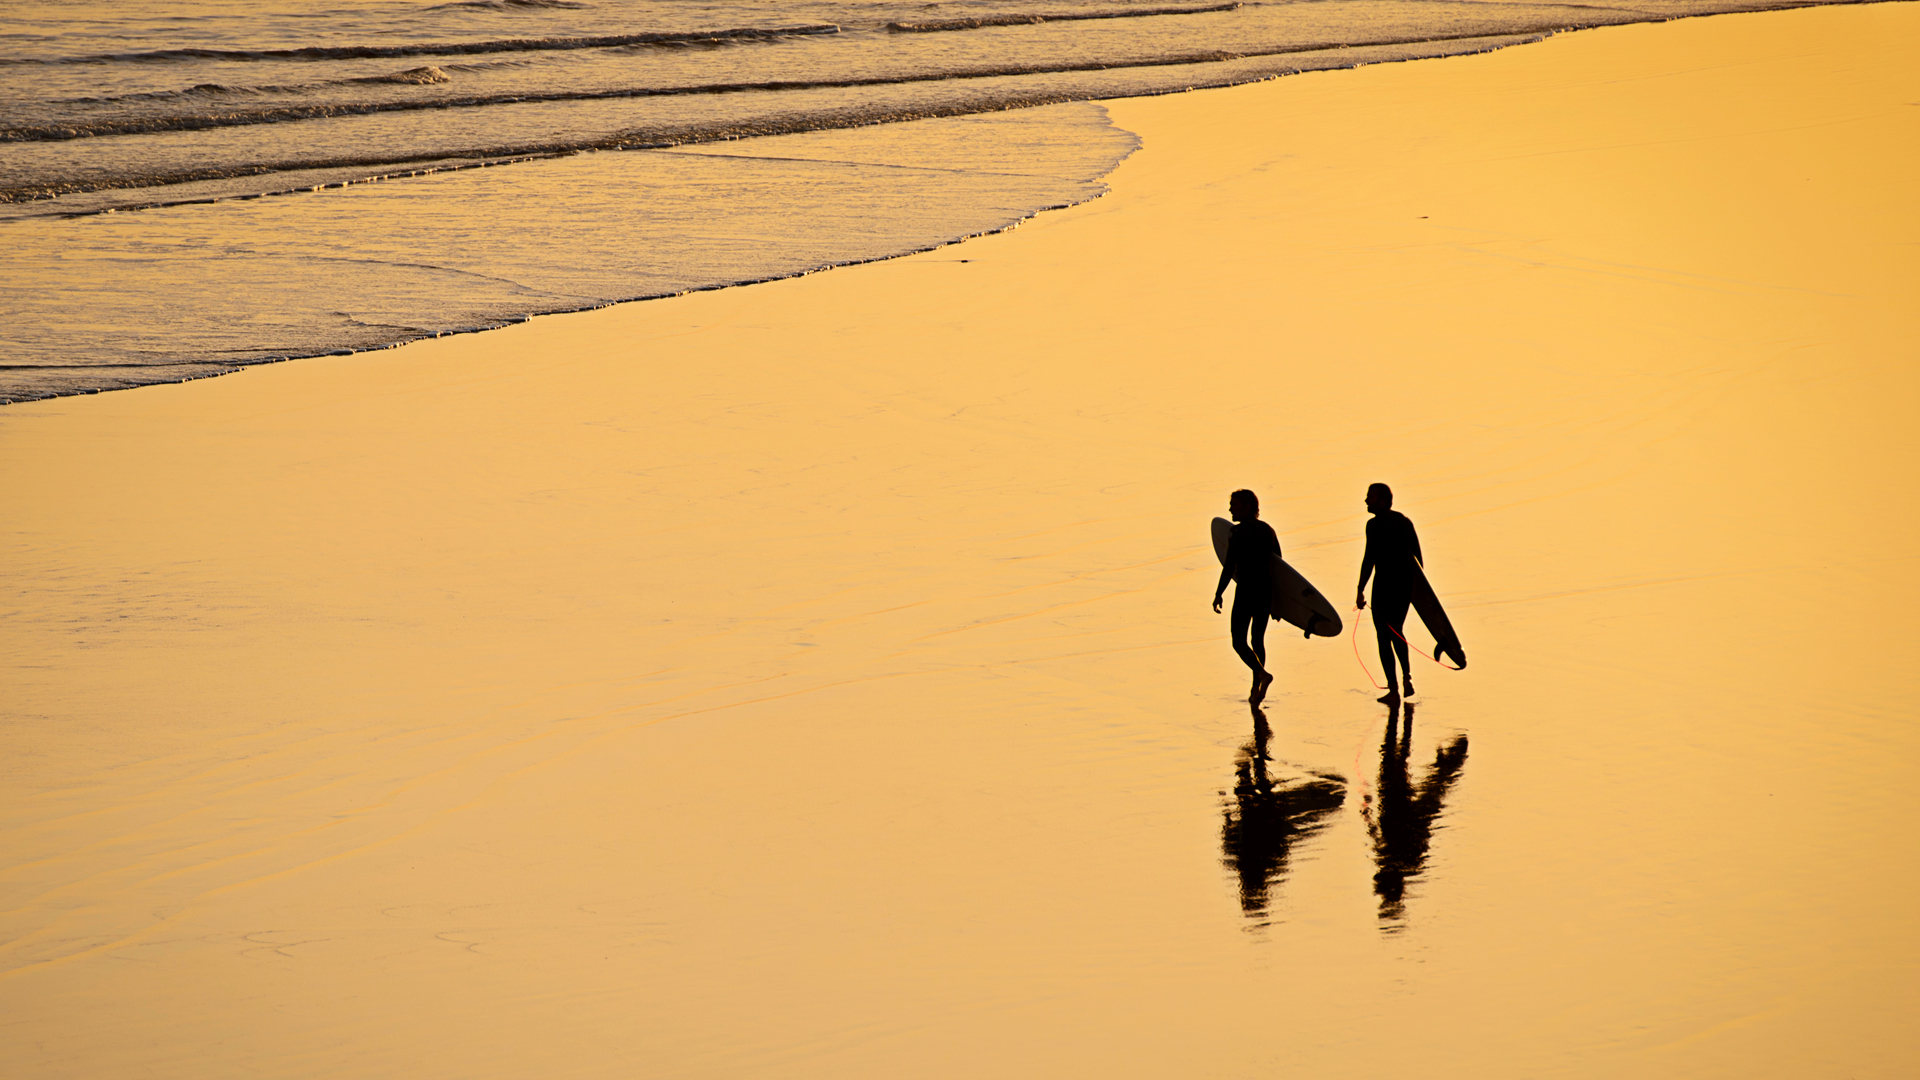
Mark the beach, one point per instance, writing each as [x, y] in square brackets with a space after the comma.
[816, 678]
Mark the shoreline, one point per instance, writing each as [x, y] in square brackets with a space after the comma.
[816, 679]
[375, 320]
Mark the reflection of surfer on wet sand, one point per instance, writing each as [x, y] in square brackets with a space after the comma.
[1265, 820]
[1401, 815]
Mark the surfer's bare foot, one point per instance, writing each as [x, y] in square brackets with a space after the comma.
[1260, 684]
[1389, 697]
[1410, 690]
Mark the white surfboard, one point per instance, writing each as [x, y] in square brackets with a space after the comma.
[1295, 600]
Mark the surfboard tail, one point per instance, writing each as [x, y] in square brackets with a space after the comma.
[1319, 625]
[1435, 616]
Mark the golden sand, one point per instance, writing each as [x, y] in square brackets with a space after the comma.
[816, 679]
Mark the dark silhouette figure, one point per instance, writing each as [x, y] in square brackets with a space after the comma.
[1252, 549]
[1402, 816]
[1393, 560]
[1264, 821]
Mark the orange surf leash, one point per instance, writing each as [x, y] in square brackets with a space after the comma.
[1354, 638]
[1410, 648]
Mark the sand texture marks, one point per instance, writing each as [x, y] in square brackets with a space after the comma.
[817, 679]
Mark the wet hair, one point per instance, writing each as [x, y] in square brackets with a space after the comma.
[1382, 490]
[1248, 497]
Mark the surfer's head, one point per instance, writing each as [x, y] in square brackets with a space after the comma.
[1379, 497]
[1244, 505]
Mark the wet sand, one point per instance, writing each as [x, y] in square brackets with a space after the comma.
[816, 678]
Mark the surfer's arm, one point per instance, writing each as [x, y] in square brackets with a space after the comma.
[1413, 538]
[1226, 569]
[1366, 571]
[1226, 574]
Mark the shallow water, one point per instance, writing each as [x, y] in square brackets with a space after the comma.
[374, 265]
[130, 108]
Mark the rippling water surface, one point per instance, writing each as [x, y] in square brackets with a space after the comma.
[168, 109]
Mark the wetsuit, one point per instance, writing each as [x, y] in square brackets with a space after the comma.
[1252, 549]
[1393, 558]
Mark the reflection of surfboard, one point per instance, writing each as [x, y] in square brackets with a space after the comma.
[1295, 600]
[1427, 606]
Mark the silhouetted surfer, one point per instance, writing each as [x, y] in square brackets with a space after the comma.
[1253, 554]
[1393, 554]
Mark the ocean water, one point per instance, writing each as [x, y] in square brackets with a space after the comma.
[449, 167]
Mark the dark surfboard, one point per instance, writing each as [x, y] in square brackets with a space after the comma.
[1295, 600]
[1427, 606]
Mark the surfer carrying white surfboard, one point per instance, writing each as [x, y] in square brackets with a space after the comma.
[1253, 555]
[1393, 560]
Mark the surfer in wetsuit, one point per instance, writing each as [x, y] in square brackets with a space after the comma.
[1393, 553]
[1253, 554]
